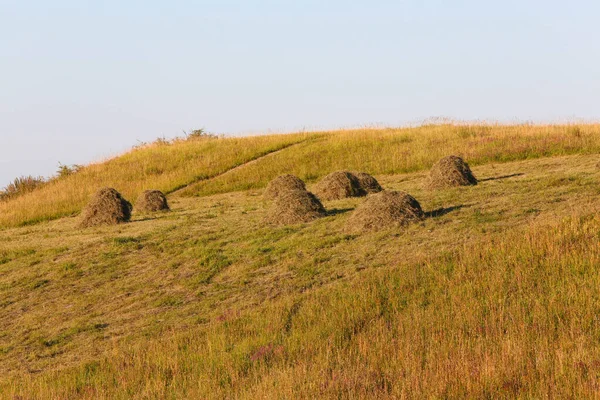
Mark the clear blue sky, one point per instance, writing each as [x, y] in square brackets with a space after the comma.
[84, 79]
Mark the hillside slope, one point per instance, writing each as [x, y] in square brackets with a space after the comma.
[189, 165]
[496, 293]
[395, 151]
[165, 166]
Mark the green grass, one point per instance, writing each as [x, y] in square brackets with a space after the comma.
[394, 151]
[220, 165]
[495, 294]
[166, 166]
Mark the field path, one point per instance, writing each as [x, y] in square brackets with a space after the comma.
[180, 190]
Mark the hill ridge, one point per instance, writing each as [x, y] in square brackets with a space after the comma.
[201, 302]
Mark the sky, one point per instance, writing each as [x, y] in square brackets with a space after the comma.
[82, 80]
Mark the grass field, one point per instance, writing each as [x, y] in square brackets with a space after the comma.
[188, 165]
[165, 166]
[495, 294]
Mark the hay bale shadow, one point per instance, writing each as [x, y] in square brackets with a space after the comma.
[497, 178]
[338, 211]
[439, 212]
[144, 219]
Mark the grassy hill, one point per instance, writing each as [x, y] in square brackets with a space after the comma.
[208, 166]
[495, 294]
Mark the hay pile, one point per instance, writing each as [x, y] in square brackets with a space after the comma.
[367, 183]
[294, 207]
[384, 210]
[339, 185]
[107, 207]
[152, 201]
[449, 172]
[281, 184]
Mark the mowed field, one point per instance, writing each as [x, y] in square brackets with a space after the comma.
[496, 293]
[208, 166]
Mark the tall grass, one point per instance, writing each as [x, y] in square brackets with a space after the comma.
[496, 298]
[21, 186]
[515, 315]
[191, 164]
[392, 151]
[164, 166]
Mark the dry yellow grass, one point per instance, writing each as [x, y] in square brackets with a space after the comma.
[495, 294]
[186, 165]
[394, 151]
[162, 166]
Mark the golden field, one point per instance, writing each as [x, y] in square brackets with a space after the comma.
[220, 165]
[494, 295]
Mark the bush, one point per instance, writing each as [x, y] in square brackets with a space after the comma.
[199, 134]
[21, 186]
[66, 170]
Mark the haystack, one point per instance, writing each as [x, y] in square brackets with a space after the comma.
[281, 184]
[451, 171]
[294, 207]
[339, 185]
[107, 207]
[384, 210]
[368, 183]
[152, 201]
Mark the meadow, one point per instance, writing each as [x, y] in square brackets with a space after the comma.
[495, 294]
[163, 165]
[208, 166]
